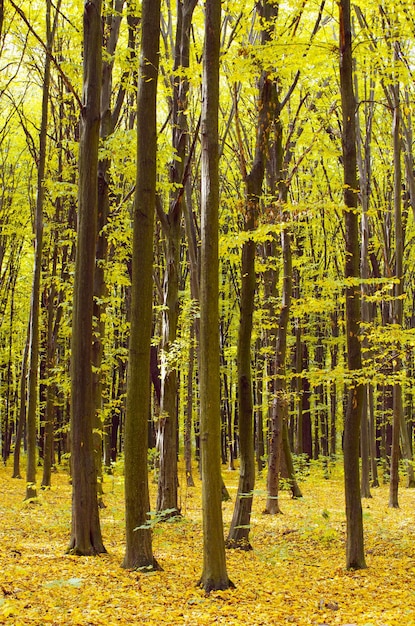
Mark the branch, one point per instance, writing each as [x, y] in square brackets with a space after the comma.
[186, 172]
[242, 158]
[48, 52]
[290, 91]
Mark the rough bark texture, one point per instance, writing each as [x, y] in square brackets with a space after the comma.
[214, 574]
[139, 553]
[86, 532]
[354, 542]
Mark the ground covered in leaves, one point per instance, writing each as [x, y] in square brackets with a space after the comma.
[294, 575]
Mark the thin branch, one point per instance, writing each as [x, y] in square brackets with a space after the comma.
[51, 56]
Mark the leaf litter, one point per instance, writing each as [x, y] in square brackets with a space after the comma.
[294, 575]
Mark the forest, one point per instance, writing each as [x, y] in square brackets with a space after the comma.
[207, 306]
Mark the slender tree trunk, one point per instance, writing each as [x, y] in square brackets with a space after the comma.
[86, 531]
[333, 386]
[289, 464]
[398, 416]
[49, 412]
[364, 167]
[364, 447]
[139, 552]
[280, 403]
[33, 391]
[22, 410]
[239, 531]
[354, 521]
[372, 438]
[259, 421]
[167, 497]
[189, 412]
[108, 121]
[214, 574]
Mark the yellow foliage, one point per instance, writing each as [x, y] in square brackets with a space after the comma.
[294, 575]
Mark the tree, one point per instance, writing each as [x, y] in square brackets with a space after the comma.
[138, 553]
[33, 390]
[355, 558]
[171, 223]
[214, 574]
[239, 531]
[86, 531]
[398, 288]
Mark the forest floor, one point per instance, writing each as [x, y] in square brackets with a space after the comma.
[294, 575]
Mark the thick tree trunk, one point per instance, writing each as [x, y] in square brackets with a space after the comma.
[86, 531]
[139, 553]
[354, 522]
[214, 574]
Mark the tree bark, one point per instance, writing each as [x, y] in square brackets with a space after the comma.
[86, 531]
[22, 409]
[167, 497]
[240, 526]
[33, 390]
[214, 574]
[139, 552]
[280, 404]
[355, 558]
[398, 417]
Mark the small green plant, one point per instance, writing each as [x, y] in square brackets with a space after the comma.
[155, 517]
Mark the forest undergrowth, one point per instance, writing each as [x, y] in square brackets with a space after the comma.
[294, 575]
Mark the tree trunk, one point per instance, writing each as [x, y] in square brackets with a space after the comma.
[240, 526]
[364, 446]
[139, 553]
[167, 496]
[280, 405]
[354, 521]
[364, 167]
[33, 391]
[22, 410]
[214, 574]
[189, 412]
[398, 416]
[86, 531]
[372, 438]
